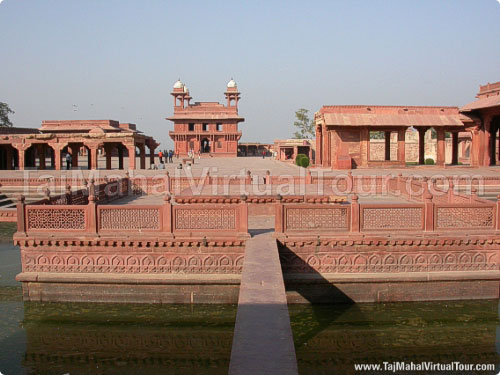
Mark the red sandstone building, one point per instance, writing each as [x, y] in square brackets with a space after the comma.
[208, 128]
[288, 149]
[22, 148]
[343, 132]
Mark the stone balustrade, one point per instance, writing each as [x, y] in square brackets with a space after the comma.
[457, 215]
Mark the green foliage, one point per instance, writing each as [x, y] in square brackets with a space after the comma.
[298, 158]
[429, 161]
[304, 124]
[434, 134]
[377, 135]
[302, 160]
[4, 114]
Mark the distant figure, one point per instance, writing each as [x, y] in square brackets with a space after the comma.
[263, 154]
[160, 155]
[68, 161]
[170, 156]
[199, 154]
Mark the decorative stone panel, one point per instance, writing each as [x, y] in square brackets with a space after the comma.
[220, 218]
[129, 218]
[392, 218]
[333, 218]
[53, 218]
[465, 217]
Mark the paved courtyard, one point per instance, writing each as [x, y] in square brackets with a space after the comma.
[258, 167]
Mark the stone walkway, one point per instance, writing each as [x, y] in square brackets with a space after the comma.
[263, 340]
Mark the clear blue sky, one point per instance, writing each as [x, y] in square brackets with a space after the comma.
[118, 59]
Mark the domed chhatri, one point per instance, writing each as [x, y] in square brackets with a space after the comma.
[178, 84]
[231, 83]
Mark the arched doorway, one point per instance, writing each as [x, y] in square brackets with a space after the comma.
[113, 155]
[9, 157]
[39, 156]
[205, 146]
[430, 146]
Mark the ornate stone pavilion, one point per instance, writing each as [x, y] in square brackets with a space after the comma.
[46, 147]
[206, 127]
[485, 111]
[343, 132]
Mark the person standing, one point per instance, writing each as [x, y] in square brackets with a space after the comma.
[68, 161]
[263, 154]
[160, 156]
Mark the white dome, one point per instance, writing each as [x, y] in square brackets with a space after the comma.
[231, 83]
[186, 89]
[178, 84]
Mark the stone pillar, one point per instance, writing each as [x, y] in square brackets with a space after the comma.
[440, 147]
[57, 158]
[142, 149]
[120, 157]
[92, 149]
[402, 146]
[387, 136]
[454, 148]
[108, 149]
[151, 155]
[295, 151]
[20, 152]
[474, 148]
[486, 141]
[364, 146]
[421, 145]
[75, 149]
[319, 144]
[40, 149]
[131, 157]
[498, 151]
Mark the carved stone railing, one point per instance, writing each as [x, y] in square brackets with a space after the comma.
[192, 220]
[106, 191]
[320, 218]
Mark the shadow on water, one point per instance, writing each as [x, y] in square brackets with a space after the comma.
[317, 292]
[439, 332]
[333, 333]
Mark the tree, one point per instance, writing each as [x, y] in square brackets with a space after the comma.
[304, 124]
[4, 114]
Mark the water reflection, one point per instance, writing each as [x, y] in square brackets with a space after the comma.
[331, 339]
[79, 338]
